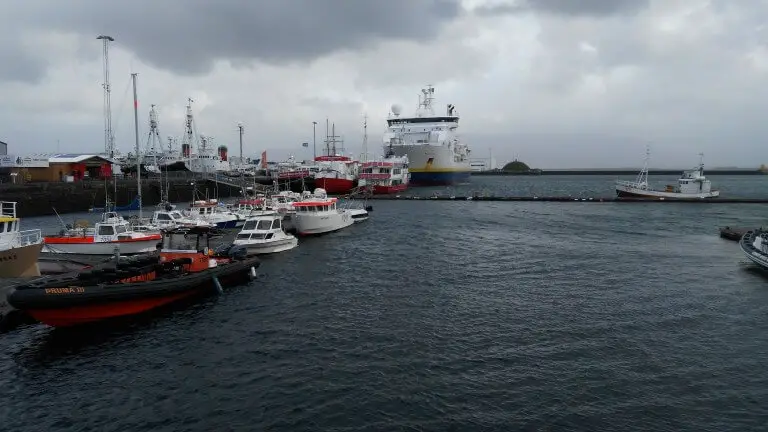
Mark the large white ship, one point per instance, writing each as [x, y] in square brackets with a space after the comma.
[435, 153]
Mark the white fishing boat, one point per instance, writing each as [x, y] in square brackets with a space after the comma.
[691, 185]
[19, 250]
[264, 234]
[318, 214]
[112, 232]
[210, 211]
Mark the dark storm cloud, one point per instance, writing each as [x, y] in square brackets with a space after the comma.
[187, 36]
[568, 7]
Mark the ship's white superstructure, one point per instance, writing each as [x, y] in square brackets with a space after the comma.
[436, 155]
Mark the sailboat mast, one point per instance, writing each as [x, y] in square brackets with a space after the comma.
[136, 130]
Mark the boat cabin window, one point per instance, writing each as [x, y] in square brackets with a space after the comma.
[121, 229]
[243, 236]
[176, 215]
[250, 225]
[164, 217]
[265, 224]
[106, 230]
[2, 227]
[276, 223]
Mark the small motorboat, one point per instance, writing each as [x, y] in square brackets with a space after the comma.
[182, 269]
[112, 232]
[263, 234]
[358, 214]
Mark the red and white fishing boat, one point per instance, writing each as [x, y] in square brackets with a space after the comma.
[113, 231]
[318, 214]
[387, 176]
[337, 173]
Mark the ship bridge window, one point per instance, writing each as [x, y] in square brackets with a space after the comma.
[121, 229]
[106, 230]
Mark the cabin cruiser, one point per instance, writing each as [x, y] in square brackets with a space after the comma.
[317, 213]
[264, 234]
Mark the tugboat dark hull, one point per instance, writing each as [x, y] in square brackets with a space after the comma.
[103, 294]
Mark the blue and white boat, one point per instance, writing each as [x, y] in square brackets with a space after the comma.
[210, 211]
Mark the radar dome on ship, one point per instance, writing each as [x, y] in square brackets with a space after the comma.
[396, 109]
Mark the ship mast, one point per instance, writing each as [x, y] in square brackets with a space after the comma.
[109, 138]
[154, 138]
[365, 138]
[136, 131]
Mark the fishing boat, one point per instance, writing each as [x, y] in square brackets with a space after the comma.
[112, 232]
[19, 250]
[317, 213]
[386, 176]
[337, 173]
[691, 185]
[264, 234]
[184, 268]
[210, 211]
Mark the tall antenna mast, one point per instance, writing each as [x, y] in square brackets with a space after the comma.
[136, 131]
[109, 138]
[242, 130]
[365, 138]
[157, 142]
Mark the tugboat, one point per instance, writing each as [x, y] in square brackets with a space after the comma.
[183, 269]
[19, 250]
[691, 185]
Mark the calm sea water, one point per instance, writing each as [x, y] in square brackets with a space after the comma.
[438, 316]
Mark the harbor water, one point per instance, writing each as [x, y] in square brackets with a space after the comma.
[438, 315]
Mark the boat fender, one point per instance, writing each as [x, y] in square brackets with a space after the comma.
[252, 273]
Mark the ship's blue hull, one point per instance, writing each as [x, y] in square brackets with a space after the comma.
[444, 178]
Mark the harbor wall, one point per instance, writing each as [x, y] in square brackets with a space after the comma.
[40, 199]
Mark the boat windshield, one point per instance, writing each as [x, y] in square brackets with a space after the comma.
[265, 224]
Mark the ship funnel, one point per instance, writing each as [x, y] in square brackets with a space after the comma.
[223, 153]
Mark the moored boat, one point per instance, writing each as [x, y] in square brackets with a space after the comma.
[112, 232]
[182, 269]
[319, 214]
[387, 176]
[264, 234]
[19, 250]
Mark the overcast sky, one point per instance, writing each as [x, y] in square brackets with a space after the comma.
[557, 83]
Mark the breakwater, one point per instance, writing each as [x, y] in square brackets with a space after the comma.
[614, 172]
[569, 199]
[40, 199]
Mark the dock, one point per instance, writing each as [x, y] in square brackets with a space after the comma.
[569, 199]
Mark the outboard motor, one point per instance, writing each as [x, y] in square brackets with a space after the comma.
[369, 208]
[238, 252]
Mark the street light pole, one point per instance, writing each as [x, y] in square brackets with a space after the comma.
[314, 143]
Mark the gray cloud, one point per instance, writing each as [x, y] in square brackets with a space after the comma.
[18, 64]
[568, 7]
[187, 36]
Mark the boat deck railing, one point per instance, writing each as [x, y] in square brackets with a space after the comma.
[30, 237]
[8, 208]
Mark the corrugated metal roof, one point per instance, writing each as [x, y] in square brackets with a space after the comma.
[75, 158]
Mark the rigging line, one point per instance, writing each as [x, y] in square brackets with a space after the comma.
[120, 107]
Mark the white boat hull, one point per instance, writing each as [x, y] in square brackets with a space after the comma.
[268, 247]
[313, 223]
[358, 215]
[103, 248]
[631, 192]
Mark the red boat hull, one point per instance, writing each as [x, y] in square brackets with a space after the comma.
[334, 186]
[386, 190]
[75, 315]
